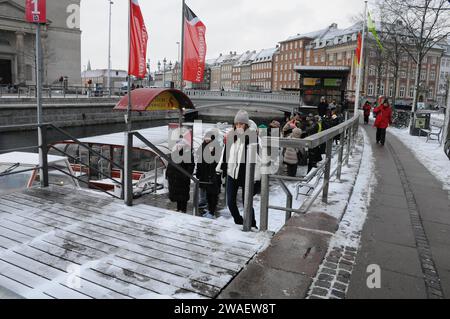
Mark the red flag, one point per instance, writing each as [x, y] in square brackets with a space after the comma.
[358, 49]
[194, 47]
[137, 64]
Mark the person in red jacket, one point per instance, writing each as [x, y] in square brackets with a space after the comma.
[383, 120]
[367, 108]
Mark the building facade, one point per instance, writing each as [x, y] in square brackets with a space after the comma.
[444, 76]
[61, 43]
[262, 70]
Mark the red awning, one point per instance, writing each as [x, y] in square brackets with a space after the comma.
[155, 99]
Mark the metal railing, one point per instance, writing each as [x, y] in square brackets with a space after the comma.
[58, 91]
[248, 96]
[271, 145]
[128, 186]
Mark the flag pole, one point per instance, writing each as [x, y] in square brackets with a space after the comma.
[180, 114]
[128, 116]
[361, 64]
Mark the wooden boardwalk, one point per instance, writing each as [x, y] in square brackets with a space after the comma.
[61, 243]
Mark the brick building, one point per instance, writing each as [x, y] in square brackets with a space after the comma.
[261, 71]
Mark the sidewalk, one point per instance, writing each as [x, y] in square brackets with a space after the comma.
[407, 232]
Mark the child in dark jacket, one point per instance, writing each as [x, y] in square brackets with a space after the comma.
[179, 184]
[208, 158]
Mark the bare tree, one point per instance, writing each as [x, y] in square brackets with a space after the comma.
[424, 23]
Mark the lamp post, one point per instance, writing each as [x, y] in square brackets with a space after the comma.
[164, 72]
[159, 67]
[149, 75]
[109, 50]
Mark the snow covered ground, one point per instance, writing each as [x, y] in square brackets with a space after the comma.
[430, 154]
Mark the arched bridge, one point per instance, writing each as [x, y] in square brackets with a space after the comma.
[225, 104]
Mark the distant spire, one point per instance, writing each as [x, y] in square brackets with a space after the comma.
[89, 66]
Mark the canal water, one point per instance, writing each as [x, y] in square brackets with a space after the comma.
[11, 140]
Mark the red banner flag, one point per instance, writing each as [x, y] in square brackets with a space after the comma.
[358, 49]
[194, 47]
[137, 65]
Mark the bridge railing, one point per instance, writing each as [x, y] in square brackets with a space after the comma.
[346, 132]
[250, 96]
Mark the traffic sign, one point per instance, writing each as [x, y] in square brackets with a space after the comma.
[36, 11]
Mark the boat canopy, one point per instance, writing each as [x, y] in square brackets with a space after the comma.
[155, 99]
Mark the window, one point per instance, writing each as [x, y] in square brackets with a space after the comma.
[432, 75]
[403, 74]
[322, 58]
[316, 59]
[423, 75]
[330, 57]
[402, 91]
[382, 89]
[370, 89]
[411, 92]
[430, 93]
[413, 74]
[372, 70]
[391, 91]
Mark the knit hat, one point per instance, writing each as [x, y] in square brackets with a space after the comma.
[242, 117]
[297, 133]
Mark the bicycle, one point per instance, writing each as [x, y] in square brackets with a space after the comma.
[400, 119]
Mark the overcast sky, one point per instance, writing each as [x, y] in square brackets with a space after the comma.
[232, 25]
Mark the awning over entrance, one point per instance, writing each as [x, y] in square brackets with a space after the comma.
[323, 71]
[155, 99]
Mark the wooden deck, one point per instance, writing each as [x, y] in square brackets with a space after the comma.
[60, 243]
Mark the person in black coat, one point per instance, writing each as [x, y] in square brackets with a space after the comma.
[209, 155]
[180, 184]
[323, 107]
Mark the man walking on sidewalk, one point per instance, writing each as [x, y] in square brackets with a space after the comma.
[383, 120]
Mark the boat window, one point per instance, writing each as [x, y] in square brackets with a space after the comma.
[14, 182]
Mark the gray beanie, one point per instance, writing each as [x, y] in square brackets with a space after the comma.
[297, 133]
[242, 117]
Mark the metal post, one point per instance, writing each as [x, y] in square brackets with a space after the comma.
[264, 208]
[42, 141]
[341, 156]
[288, 200]
[348, 135]
[156, 174]
[359, 79]
[109, 51]
[128, 157]
[249, 186]
[182, 45]
[326, 176]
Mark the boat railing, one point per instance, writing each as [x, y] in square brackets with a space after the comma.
[44, 148]
[128, 186]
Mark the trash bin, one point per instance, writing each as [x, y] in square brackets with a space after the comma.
[421, 122]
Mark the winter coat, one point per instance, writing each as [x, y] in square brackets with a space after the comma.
[367, 108]
[179, 184]
[206, 172]
[322, 109]
[384, 116]
[291, 154]
[235, 165]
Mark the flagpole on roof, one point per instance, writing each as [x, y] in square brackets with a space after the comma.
[128, 116]
[361, 64]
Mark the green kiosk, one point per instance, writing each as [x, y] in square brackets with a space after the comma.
[318, 81]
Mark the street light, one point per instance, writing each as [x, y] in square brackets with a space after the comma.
[109, 50]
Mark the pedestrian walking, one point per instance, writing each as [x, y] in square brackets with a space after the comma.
[383, 120]
[234, 161]
[210, 182]
[179, 184]
[367, 108]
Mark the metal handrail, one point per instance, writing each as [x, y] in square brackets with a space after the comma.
[129, 198]
[349, 128]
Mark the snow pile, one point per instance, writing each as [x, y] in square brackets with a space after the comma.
[430, 154]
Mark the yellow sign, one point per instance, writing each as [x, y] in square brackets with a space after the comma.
[165, 101]
[311, 82]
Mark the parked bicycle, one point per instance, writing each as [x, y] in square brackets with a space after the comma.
[401, 119]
